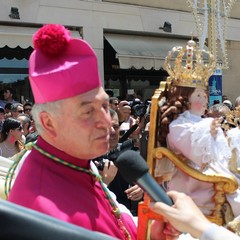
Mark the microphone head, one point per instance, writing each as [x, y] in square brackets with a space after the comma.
[131, 165]
[126, 145]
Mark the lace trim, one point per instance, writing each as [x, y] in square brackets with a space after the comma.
[234, 138]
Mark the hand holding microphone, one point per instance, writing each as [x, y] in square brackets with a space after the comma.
[133, 168]
[185, 216]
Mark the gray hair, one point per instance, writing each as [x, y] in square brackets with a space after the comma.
[112, 113]
[219, 107]
[237, 101]
[53, 108]
[14, 106]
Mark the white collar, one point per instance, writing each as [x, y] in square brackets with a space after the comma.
[191, 116]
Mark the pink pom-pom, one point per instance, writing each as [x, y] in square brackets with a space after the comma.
[51, 39]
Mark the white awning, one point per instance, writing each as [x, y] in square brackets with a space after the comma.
[142, 51]
[20, 36]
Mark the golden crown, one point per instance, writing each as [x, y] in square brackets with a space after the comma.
[189, 66]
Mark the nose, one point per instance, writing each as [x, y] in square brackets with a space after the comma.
[112, 131]
[104, 118]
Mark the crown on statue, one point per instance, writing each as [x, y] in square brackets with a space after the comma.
[189, 66]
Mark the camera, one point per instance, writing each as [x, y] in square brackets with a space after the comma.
[139, 110]
[113, 154]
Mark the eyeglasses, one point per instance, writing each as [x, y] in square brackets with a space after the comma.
[115, 104]
[27, 109]
[20, 111]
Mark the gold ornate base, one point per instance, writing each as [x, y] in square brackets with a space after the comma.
[234, 226]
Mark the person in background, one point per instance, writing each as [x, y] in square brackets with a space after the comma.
[8, 97]
[228, 103]
[10, 138]
[113, 103]
[127, 194]
[27, 108]
[2, 117]
[26, 124]
[109, 93]
[16, 109]
[217, 110]
[121, 106]
[237, 102]
[216, 102]
[224, 97]
[126, 121]
[33, 133]
[7, 109]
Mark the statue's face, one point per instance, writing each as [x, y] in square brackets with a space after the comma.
[198, 102]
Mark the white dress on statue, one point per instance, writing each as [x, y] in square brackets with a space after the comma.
[190, 136]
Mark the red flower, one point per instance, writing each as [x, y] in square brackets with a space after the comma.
[51, 39]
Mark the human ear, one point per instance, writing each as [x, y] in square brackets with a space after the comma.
[47, 122]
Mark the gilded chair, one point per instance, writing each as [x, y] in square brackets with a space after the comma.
[222, 184]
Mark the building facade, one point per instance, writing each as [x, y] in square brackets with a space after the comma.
[128, 37]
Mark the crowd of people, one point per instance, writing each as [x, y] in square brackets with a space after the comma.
[16, 124]
[73, 126]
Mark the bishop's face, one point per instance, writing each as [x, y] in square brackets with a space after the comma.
[198, 102]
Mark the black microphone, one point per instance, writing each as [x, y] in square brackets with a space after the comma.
[121, 147]
[134, 168]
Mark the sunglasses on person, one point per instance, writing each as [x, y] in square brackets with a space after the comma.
[20, 111]
[27, 109]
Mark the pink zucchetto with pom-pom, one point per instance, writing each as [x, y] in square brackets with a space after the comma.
[61, 67]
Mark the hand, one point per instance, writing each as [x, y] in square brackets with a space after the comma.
[160, 230]
[184, 215]
[109, 172]
[134, 193]
[215, 124]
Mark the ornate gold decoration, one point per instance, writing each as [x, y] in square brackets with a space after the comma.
[189, 66]
[211, 19]
[231, 119]
[234, 226]
[222, 184]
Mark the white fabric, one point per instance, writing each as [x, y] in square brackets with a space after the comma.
[215, 232]
[125, 125]
[5, 164]
[190, 135]
[186, 236]
[234, 142]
